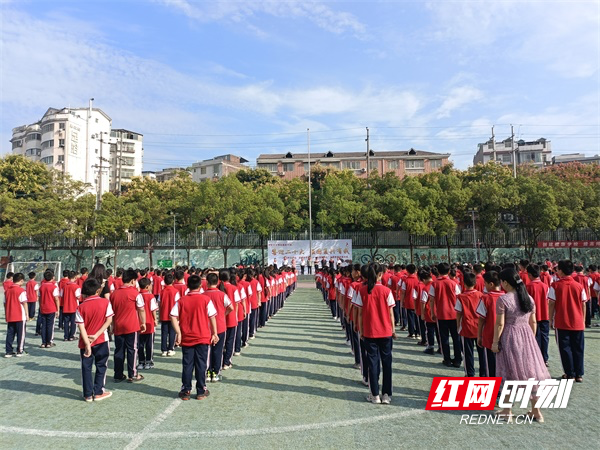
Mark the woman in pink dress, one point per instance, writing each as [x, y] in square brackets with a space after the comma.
[518, 355]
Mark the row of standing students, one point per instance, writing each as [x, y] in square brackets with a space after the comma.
[441, 304]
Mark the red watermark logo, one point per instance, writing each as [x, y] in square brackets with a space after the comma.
[461, 393]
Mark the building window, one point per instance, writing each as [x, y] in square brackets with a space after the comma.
[435, 163]
[216, 170]
[127, 161]
[288, 167]
[33, 137]
[392, 165]
[354, 165]
[415, 164]
[48, 160]
[491, 145]
[48, 128]
[16, 144]
[269, 167]
[48, 144]
[506, 158]
[61, 126]
[61, 158]
[373, 165]
[508, 144]
[202, 170]
[61, 142]
[126, 173]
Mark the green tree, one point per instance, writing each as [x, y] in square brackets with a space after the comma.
[536, 211]
[115, 218]
[80, 216]
[270, 214]
[294, 195]
[21, 177]
[256, 177]
[227, 209]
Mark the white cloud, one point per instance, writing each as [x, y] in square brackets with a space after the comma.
[337, 22]
[562, 36]
[457, 98]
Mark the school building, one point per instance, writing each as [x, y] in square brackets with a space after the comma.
[80, 142]
[538, 152]
[217, 167]
[402, 163]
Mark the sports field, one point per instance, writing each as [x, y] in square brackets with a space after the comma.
[294, 387]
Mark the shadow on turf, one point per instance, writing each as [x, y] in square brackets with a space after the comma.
[40, 389]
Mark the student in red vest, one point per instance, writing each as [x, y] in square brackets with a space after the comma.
[146, 345]
[168, 297]
[179, 283]
[538, 290]
[49, 304]
[467, 321]
[479, 281]
[408, 295]
[587, 284]
[32, 288]
[83, 277]
[118, 279]
[16, 315]
[224, 307]
[442, 299]
[93, 317]
[194, 320]
[255, 301]
[61, 284]
[376, 324]
[8, 281]
[353, 287]
[157, 284]
[129, 320]
[595, 276]
[430, 325]
[486, 310]
[232, 319]
[523, 271]
[241, 336]
[545, 275]
[71, 295]
[567, 314]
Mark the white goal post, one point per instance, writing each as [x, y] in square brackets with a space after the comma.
[39, 267]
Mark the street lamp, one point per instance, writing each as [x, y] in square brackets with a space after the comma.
[174, 237]
[475, 247]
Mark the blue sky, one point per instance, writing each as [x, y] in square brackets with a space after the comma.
[201, 78]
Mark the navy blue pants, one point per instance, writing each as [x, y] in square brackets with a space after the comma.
[47, 328]
[194, 358]
[31, 309]
[448, 328]
[245, 330]
[94, 385]
[216, 354]
[412, 321]
[397, 313]
[229, 344]
[15, 329]
[379, 359]
[333, 306]
[432, 334]
[167, 336]
[542, 336]
[262, 318]
[238, 337]
[146, 348]
[422, 329]
[469, 345]
[253, 321]
[490, 361]
[69, 325]
[38, 323]
[126, 344]
[60, 318]
[571, 346]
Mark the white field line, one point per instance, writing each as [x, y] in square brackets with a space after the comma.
[143, 435]
[139, 437]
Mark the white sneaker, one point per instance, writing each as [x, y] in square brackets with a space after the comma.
[171, 353]
[374, 399]
[386, 399]
[252, 337]
[236, 354]
[364, 382]
[348, 343]
[228, 366]
[164, 354]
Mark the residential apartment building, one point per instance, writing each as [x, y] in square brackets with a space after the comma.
[79, 142]
[538, 152]
[576, 157]
[402, 163]
[168, 174]
[126, 153]
[217, 167]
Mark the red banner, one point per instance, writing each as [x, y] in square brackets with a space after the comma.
[569, 244]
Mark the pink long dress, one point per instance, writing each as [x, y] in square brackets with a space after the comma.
[520, 357]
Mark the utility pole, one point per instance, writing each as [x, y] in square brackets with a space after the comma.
[309, 197]
[99, 193]
[475, 247]
[88, 116]
[174, 239]
[514, 153]
[120, 160]
[493, 144]
[368, 150]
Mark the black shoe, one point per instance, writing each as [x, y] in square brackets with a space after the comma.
[429, 351]
[439, 351]
[119, 379]
[456, 363]
[447, 363]
[184, 395]
[203, 395]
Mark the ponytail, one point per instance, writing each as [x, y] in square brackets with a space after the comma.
[511, 276]
[372, 273]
